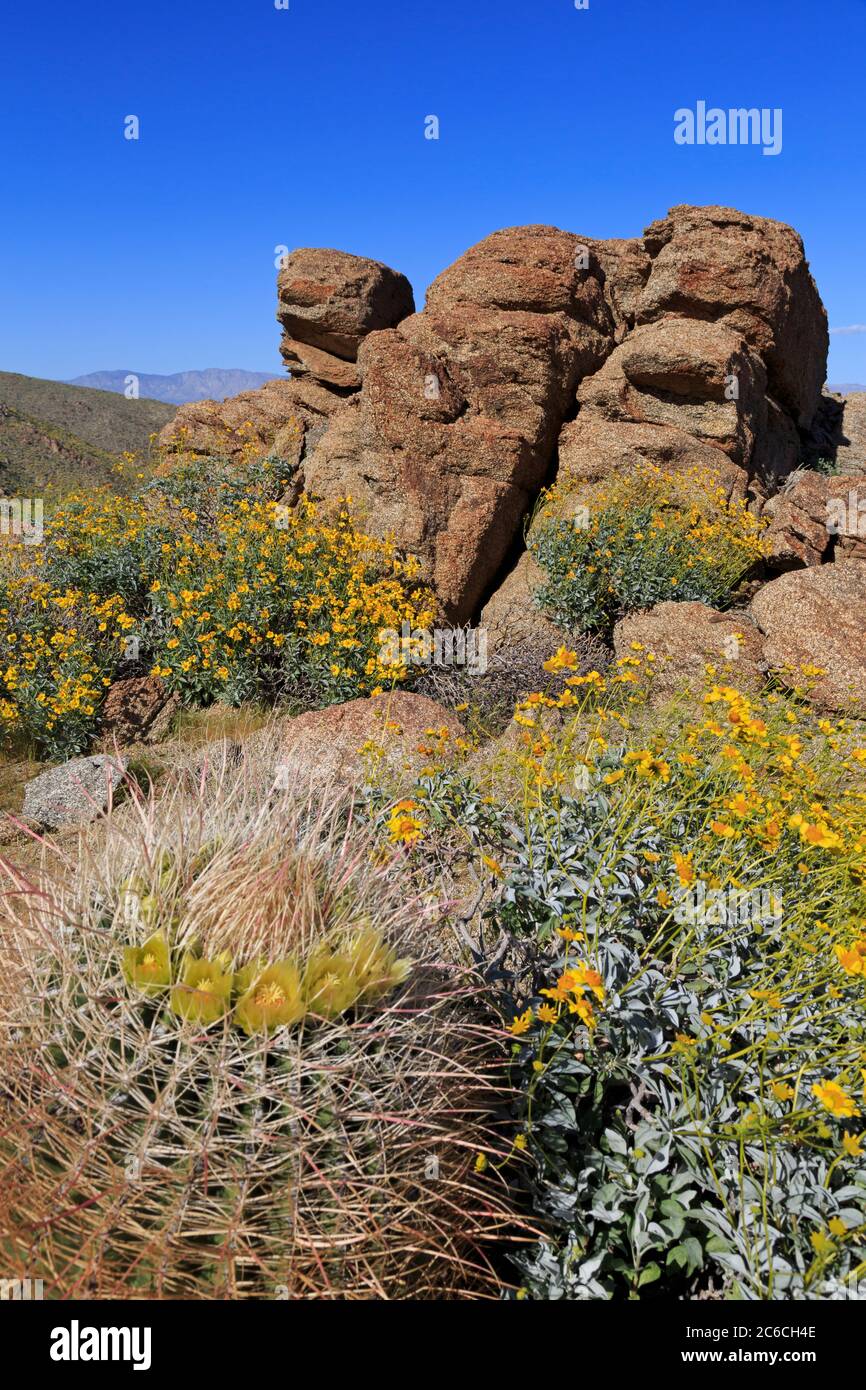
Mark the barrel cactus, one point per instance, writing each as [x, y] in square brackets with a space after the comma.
[232, 1070]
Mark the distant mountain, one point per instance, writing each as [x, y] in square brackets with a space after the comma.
[214, 383]
[847, 388]
[56, 437]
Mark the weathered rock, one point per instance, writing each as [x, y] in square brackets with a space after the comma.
[686, 638]
[717, 264]
[138, 709]
[777, 448]
[456, 424]
[389, 736]
[626, 268]
[702, 345]
[592, 450]
[680, 372]
[282, 418]
[815, 519]
[75, 793]
[328, 302]
[798, 534]
[512, 615]
[816, 618]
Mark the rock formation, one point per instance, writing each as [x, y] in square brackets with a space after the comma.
[538, 354]
[702, 344]
[328, 302]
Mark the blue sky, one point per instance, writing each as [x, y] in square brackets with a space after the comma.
[305, 126]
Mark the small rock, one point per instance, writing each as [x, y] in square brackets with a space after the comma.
[75, 793]
[393, 735]
[137, 710]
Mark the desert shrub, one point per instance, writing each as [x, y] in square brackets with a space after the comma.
[103, 544]
[234, 598]
[59, 651]
[678, 938]
[689, 1030]
[230, 1069]
[645, 537]
[282, 600]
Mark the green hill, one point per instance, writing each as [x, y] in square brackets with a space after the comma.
[104, 419]
[55, 437]
[39, 460]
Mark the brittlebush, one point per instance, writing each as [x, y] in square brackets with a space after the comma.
[645, 537]
[210, 584]
[686, 888]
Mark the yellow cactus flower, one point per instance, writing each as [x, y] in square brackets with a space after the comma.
[148, 967]
[203, 993]
[273, 999]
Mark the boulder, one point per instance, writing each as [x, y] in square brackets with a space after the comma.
[750, 273]
[512, 616]
[390, 736]
[455, 427]
[328, 301]
[701, 345]
[686, 638]
[138, 709]
[681, 373]
[778, 449]
[592, 450]
[75, 793]
[626, 267]
[816, 618]
[817, 518]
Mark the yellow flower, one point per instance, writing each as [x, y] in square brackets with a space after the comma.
[851, 961]
[521, 1023]
[852, 1144]
[569, 934]
[204, 991]
[404, 826]
[148, 967]
[834, 1099]
[781, 1090]
[821, 1243]
[274, 998]
[685, 868]
[563, 660]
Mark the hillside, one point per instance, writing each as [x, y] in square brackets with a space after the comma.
[105, 421]
[39, 460]
[213, 383]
